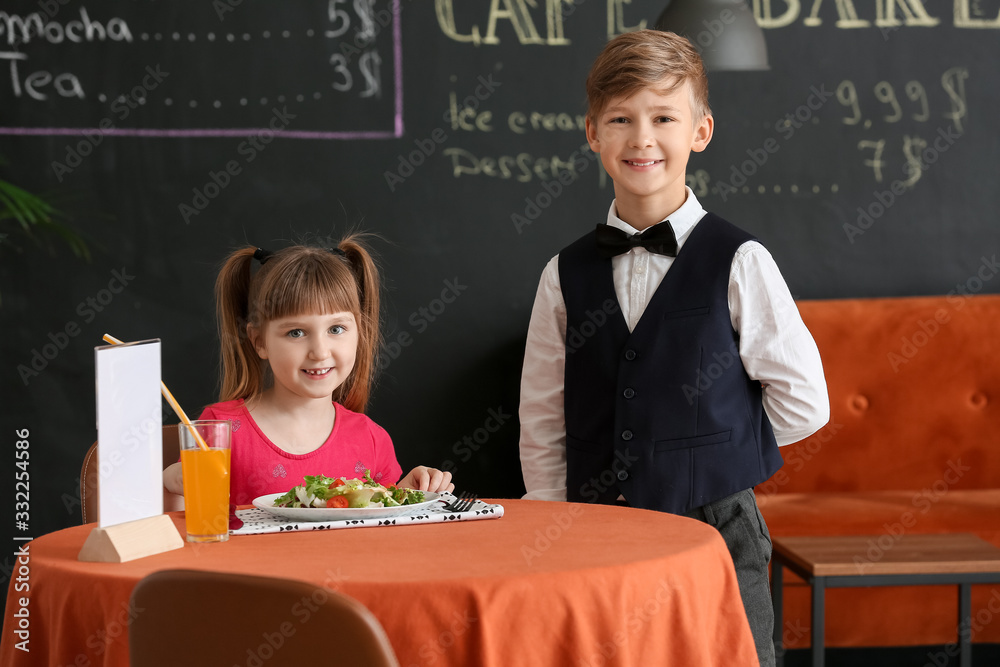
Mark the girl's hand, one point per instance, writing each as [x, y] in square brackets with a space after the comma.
[173, 480]
[423, 478]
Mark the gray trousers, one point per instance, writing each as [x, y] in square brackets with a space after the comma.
[739, 520]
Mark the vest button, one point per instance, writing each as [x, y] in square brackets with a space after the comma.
[630, 354]
[622, 475]
[629, 392]
[626, 434]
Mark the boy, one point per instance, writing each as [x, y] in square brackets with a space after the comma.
[666, 360]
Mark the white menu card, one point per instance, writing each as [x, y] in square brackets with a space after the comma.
[129, 436]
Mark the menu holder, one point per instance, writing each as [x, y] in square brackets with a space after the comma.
[129, 435]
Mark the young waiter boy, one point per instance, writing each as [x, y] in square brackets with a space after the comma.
[666, 361]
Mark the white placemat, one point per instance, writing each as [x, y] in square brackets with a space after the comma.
[258, 521]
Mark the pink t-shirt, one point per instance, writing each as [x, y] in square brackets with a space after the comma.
[260, 467]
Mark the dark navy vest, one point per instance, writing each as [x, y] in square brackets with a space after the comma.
[665, 415]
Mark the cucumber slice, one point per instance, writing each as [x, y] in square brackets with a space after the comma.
[358, 498]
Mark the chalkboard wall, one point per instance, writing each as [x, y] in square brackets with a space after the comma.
[173, 132]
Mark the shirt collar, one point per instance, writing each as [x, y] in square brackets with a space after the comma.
[682, 220]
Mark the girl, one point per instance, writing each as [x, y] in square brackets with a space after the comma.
[299, 338]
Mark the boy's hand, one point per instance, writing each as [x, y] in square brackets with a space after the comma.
[423, 478]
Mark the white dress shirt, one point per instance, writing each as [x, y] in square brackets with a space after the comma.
[776, 348]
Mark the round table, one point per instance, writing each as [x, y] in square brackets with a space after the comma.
[546, 584]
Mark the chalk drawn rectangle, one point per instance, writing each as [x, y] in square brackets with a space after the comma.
[302, 46]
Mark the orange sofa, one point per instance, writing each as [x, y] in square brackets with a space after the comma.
[912, 446]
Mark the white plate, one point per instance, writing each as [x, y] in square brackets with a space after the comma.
[266, 503]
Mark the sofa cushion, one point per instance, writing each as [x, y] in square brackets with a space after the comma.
[914, 391]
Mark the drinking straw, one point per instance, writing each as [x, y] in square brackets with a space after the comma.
[171, 400]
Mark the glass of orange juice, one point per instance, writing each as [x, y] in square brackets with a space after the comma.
[206, 479]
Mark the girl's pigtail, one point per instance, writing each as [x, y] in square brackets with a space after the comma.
[358, 388]
[241, 375]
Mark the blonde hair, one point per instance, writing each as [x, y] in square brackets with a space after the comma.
[299, 279]
[653, 59]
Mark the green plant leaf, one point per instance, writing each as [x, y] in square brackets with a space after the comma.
[35, 217]
[23, 206]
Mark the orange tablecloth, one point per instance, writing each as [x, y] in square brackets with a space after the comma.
[548, 584]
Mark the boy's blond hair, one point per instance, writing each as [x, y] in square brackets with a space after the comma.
[654, 59]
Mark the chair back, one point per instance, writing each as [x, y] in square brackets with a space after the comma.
[208, 619]
[90, 476]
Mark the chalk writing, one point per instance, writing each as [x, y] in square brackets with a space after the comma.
[516, 12]
[699, 182]
[885, 93]
[35, 84]
[16, 30]
[916, 92]
[966, 18]
[616, 18]
[523, 18]
[522, 167]
[520, 122]
[889, 14]
[339, 19]
[44, 63]
[467, 116]
[952, 83]
[847, 95]
[913, 148]
[519, 17]
[917, 152]
[875, 162]
[19, 30]
[918, 155]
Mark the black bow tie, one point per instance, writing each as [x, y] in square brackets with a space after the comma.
[659, 238]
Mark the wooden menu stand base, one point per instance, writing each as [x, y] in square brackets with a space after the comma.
[131, 540]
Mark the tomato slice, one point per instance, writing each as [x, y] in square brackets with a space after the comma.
[338, 482]
[337, 501]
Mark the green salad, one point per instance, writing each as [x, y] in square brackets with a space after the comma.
[322, 491]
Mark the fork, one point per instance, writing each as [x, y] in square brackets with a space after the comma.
[462, 503]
